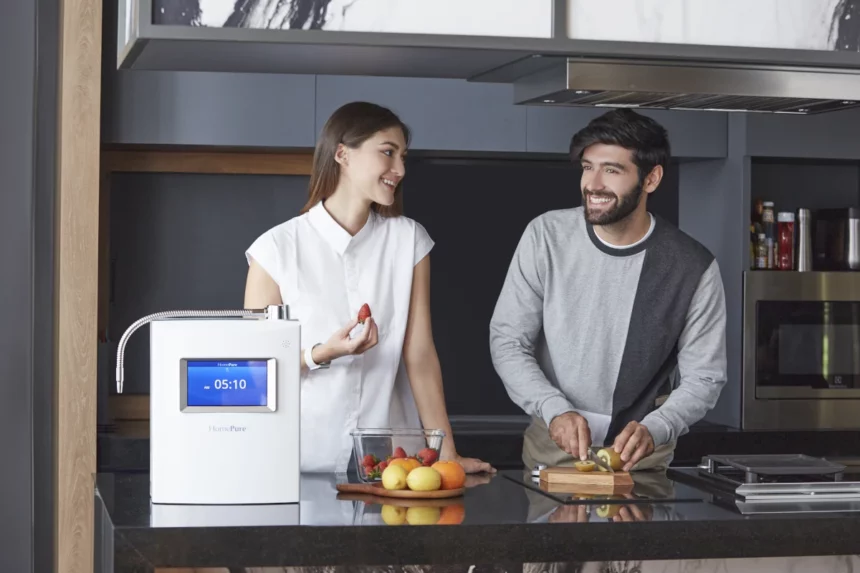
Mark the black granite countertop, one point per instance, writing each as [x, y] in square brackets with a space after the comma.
[507, 519]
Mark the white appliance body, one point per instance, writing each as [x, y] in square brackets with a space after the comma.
[224, 411]
[265, 515]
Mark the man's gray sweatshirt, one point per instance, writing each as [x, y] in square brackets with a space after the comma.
[604, 331]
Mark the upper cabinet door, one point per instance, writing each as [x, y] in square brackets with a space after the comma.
[510, 18]
[183, 108]
[692, 134]
[450, 115]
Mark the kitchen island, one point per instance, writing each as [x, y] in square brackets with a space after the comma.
[500, 524]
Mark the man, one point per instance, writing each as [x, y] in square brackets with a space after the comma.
[606, 309]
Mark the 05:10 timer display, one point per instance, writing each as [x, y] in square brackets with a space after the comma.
[225, 384]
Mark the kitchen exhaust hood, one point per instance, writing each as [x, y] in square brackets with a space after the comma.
[658, 84]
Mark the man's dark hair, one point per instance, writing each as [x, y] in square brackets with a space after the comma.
[646, 138]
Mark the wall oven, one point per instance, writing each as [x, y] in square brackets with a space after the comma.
[801, 350]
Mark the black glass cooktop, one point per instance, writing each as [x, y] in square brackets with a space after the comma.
[649, 487]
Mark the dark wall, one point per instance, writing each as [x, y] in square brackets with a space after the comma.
[17, 68]
[178, 242]
[27, 135]
[793, 184]
[714, 209]
[476, 212]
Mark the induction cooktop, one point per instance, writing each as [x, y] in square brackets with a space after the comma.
[649, 487]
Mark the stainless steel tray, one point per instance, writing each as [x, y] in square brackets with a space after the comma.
[779, 464]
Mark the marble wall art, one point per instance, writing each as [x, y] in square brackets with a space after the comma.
[830, 564]
[513, 18]
[832, 25]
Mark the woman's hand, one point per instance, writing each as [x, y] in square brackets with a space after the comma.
[474, 480]
[340, 344]
[473, 465]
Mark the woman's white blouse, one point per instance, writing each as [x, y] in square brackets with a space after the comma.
[325, 275]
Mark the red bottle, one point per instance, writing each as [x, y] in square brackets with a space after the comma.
[785, 235]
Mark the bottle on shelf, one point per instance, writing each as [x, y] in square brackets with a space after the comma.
[761, 252]
[804, 241]
[768, 220]
[755, 229]
[785, 243]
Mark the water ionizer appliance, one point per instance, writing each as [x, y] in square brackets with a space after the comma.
[224, 405]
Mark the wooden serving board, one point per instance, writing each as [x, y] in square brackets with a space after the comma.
[377, 490]
[399, 502]
[571, 480]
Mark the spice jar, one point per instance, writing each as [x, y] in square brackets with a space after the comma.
[767, 212]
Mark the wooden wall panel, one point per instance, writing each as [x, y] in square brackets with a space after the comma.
[77, 220]
[179, 160]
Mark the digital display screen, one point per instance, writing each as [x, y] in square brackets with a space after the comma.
[227, 382]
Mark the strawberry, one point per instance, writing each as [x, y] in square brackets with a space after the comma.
[363, 313]
[369, 461]
[399, 453]
[381, 466]
[427, 456]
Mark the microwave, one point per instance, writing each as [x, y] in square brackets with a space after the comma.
[801, 350]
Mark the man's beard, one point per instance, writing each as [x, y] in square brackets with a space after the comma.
[622, 209]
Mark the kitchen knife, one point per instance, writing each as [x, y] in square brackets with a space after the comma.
[600, 463]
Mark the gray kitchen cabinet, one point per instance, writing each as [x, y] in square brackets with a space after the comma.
[692, 134]
[447, 115]
[202, 108]
[824, 136]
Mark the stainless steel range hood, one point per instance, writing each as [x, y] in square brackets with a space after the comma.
[653, 84]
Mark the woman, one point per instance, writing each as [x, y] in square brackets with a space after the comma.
[351, 246]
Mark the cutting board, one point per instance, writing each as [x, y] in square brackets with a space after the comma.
[377, 490]
[571, 480]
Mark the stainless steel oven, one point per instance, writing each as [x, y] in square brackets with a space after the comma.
[801, 350]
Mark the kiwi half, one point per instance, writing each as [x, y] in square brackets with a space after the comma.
[611, 458]
[608, 511]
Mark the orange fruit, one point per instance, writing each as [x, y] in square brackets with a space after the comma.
[452, 515]
[453, 474]
[408, 464]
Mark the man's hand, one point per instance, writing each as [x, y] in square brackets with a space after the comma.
[633, 443]
[571, 433]
[634, 512]
[569, 514]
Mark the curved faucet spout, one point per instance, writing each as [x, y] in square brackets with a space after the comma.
[272, 312]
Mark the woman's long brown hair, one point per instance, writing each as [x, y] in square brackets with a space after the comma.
[352, 124]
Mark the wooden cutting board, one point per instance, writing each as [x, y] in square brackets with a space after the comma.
[377, 490]
[571, 480]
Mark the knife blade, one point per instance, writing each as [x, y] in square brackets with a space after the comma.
[600, 463]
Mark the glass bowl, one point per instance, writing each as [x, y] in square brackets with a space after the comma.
[381, 445]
